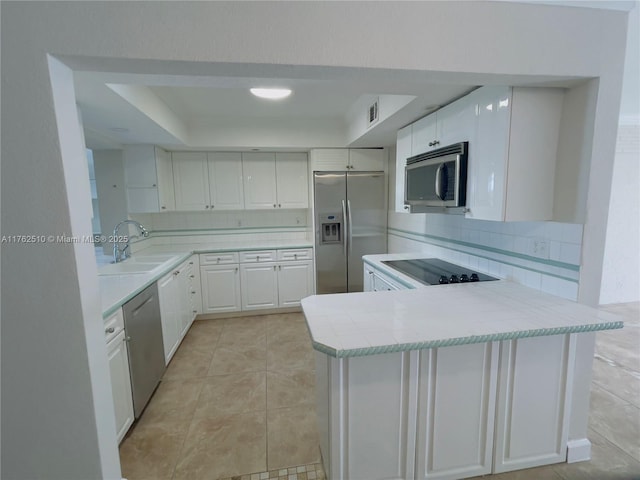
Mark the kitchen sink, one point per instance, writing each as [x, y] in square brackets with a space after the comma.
[128, 267]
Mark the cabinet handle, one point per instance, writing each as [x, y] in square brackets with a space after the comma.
[177, 272]
[194, 311]
[211, 206]
[109, 330]
[274, 267]
[190, 263]
[192, 276]
[236, 269]
[279, 206]
[274, 205]
[206, 206]
[193, 291]
[295, 256]
[154, 185]
[218, 260]
[370, 272]
[163, 207]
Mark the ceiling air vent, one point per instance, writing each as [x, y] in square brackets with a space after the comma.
[372, 113]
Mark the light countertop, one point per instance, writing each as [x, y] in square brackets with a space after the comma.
[116, 290]
[358, 324]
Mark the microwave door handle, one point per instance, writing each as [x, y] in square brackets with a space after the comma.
[438, 176]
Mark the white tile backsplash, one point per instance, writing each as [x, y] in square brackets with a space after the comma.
[541, 255]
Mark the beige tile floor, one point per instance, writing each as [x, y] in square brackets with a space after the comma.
[237, 401]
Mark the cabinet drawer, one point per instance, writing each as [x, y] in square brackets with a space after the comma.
[295, 254]
[113, 325]
[258, 256]
[218, 258]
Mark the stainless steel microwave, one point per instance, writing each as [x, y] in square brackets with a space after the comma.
[437, 178]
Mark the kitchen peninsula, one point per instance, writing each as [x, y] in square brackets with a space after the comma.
[450, 381]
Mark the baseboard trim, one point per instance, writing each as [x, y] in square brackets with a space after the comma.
[578, 450]
[246, 313]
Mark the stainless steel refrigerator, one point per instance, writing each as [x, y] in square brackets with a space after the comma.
[350, 220]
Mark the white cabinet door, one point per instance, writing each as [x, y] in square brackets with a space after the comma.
[191, 180]
[424, 135]
[532, 418]
[329, 159]
[367, 281]
[259, 285]
[295, 282]
[120, 384]
[512, 160]
[456, 411]
[147, 184]
[220, 288]
[259, 171]
[403, 151]
[292, 180]
[164, 173]
[381, 282]
[457, 122]
[169, 314]
[367, 159]
[226, 190]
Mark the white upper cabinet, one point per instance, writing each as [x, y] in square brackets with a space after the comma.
[206, 181]
[367, 159]
[425, 134]
[451, 124]
[191, 180]
[259, 170]
[403, 151]
[512, 159]
[329, 159]
[275, 180]
[348, 159]
[148, 178]
[226, 190]
[291, 180]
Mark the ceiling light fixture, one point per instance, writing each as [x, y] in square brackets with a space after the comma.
[271, 93]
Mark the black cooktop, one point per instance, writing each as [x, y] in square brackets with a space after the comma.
[432, 271]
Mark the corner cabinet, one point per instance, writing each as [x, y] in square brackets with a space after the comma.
[118, 359]
[149, 179]
[512, 158]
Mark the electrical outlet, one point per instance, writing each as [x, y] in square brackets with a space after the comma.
[540, 248]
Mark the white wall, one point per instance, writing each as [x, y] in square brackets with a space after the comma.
[55, 383]
[620, 279]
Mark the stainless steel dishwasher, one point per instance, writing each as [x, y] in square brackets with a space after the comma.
[144, 343]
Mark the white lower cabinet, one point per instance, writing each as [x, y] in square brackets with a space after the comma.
[532, 419]
[176, 307]
[456, 408]
[220, 288]
[255, 280]
[259, 285]
[295, 281]
[119, 371]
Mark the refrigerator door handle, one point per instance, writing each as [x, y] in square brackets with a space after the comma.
[344, 224]
[350, 228]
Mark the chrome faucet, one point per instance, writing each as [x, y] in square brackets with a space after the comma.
[124, 253]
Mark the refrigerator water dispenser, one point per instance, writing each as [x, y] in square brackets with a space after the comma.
[330, 228]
